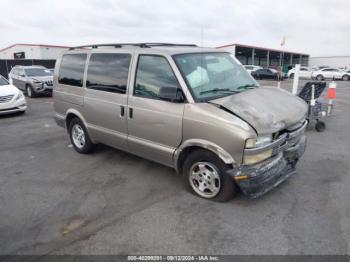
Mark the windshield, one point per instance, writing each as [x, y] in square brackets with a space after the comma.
[37, 72]
[213, 75]
[3, 81]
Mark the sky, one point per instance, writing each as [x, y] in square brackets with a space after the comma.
[316, 27]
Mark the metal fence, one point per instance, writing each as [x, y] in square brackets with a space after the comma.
[6, 65]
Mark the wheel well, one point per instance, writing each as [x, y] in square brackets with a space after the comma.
[184, 153]
[69, 118]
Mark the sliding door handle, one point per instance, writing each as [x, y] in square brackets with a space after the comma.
[131, 113]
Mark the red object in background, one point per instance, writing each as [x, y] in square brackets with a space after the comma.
[331, 91]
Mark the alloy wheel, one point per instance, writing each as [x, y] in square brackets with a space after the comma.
[78, 136]
[204, 179]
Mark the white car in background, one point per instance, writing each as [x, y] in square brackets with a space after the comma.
[331, 73]
[252, 68]
[12, 99]
[304, 72]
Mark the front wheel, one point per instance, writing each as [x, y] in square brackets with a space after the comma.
[319, 78]
[206, 176]
[79, 137]
[345, 78]
[29, 91]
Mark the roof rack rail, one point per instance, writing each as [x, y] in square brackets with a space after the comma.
[141, 45]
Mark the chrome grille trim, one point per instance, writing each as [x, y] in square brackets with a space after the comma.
[5, 99]
[283, 142]
[49, 82]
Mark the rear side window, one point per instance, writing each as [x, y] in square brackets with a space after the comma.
[72, 70]
[153, 72]
[108, 72]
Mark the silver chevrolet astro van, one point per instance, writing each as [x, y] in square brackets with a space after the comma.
[194, 109]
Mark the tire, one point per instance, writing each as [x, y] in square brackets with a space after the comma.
[346, 78]
[319, 78]
[79, 137]
[218, 185]
[29, 91]
[320, 126]
[291, 76]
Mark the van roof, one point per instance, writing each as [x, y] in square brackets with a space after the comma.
[166, 48]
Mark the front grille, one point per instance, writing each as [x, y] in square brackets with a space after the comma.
[49, 83]
[290, 138]
[5, 99]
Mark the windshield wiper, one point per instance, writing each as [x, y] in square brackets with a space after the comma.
[248, 86]
[215, 90]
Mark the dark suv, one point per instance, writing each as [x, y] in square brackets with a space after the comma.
[33, 80]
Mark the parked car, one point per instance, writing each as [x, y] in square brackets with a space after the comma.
[304, 72]
[252, 68]
[12, 99]
[194, 109]
[33, 80]
[331, 73]
[267, 73]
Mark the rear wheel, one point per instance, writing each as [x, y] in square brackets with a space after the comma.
[345, 78]
[206, 176]
[79, 137]
[291, 76]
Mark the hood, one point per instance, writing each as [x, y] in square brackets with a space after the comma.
[267, 109]
[8, 90]
[42, 78]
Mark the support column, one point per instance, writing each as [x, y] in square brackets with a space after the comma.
[281, 56]
[300, 59]
[291, 59]
[253, 56]
[268, 58]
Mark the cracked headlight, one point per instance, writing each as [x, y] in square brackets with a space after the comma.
[252, 143]
[260, 141]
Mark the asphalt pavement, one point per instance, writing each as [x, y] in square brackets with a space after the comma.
[55, 201]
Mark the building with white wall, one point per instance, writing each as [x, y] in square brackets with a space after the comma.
[331, 61]
[32, 51]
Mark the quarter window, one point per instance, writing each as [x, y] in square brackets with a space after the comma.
[108, 72]
[153, 72]
[72, 70]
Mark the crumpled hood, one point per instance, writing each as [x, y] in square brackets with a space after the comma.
[7, 90]
[267, 109]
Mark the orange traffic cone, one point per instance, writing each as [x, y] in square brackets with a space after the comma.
[331, 91]
[331, 95]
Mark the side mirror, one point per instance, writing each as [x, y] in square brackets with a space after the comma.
[172, 94]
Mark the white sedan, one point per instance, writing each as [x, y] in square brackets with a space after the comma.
[12, 99]
[304, 72]
[331, 73]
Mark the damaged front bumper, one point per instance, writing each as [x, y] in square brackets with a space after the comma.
[256, 180]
